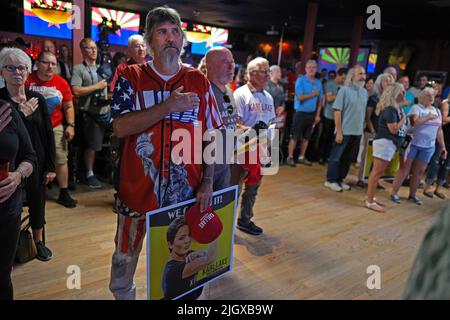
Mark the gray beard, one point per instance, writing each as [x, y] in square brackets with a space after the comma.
[169, 58]
[360, 84]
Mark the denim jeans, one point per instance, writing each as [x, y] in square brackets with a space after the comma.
[438, 170]
[326, 139]
[341, 157]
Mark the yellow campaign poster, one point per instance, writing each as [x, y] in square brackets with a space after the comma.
[391, 170]
[176, 263]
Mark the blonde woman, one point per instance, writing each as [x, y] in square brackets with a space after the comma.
[387, 139]
[426, 123]
[371, 121]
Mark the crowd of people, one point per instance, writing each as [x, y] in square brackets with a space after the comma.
[46, 103]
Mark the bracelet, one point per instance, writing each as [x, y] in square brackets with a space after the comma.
[72, 124]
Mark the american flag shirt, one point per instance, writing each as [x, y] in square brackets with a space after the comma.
[149, 178]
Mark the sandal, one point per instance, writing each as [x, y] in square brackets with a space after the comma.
[440, 195]
[415, 199]
[395, 198]
[429, 194]
[374, 206]
[378, 202]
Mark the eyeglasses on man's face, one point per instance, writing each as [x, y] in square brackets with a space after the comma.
[11, 68]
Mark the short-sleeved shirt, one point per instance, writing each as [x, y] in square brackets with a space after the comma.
[424, 135]
[351, 101]
[149, 179]
[388, 115]
[410, 98]
[332, 87]
[56, 91]
[85, 76]
[372, 103]
[304, 86]
[277, 93]
[228, 112]
[173, 283]
[254, 106]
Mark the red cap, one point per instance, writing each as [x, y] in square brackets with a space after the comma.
[205, 226]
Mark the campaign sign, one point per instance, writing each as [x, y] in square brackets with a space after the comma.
[186, 248]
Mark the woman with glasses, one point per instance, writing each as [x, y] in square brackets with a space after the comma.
[15, 66]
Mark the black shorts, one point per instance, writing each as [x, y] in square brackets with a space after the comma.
[302, 125]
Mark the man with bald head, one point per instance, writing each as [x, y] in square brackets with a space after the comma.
[219, 64]
[392, 71]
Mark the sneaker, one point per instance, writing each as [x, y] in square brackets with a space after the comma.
[345, 186]
[304, 161]
[333, 186]
[250, 228]
[446, 185]
[43, 253]
[66, 200]
[415, 199]
[290, 161]
[93, 182]
[395, 198]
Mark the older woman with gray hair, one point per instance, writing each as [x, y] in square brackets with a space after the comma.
[426, 123]
[15, 66]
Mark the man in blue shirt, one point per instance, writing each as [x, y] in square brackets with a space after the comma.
[308, 103]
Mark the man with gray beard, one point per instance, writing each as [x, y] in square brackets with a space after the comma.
[151, 102]
[349, 112]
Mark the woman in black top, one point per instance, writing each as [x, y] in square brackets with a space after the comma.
[15, 66]
[16, 150]
[180, 271]
[390, 121]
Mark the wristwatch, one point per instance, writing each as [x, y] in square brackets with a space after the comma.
[72, 124]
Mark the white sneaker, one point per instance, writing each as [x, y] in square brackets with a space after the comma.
[345, 186]
[333, 186]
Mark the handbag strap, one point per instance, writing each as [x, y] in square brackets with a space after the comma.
[28, 225]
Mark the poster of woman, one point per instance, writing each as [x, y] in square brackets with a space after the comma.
[187, 248]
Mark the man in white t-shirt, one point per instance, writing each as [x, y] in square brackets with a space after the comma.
[254, 107]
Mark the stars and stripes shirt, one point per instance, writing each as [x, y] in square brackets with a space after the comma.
[147, 173]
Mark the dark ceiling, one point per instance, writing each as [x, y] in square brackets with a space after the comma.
[400, 19]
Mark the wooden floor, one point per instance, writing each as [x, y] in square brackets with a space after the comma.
[317, 244]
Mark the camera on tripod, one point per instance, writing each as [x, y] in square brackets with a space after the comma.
[107, 27]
